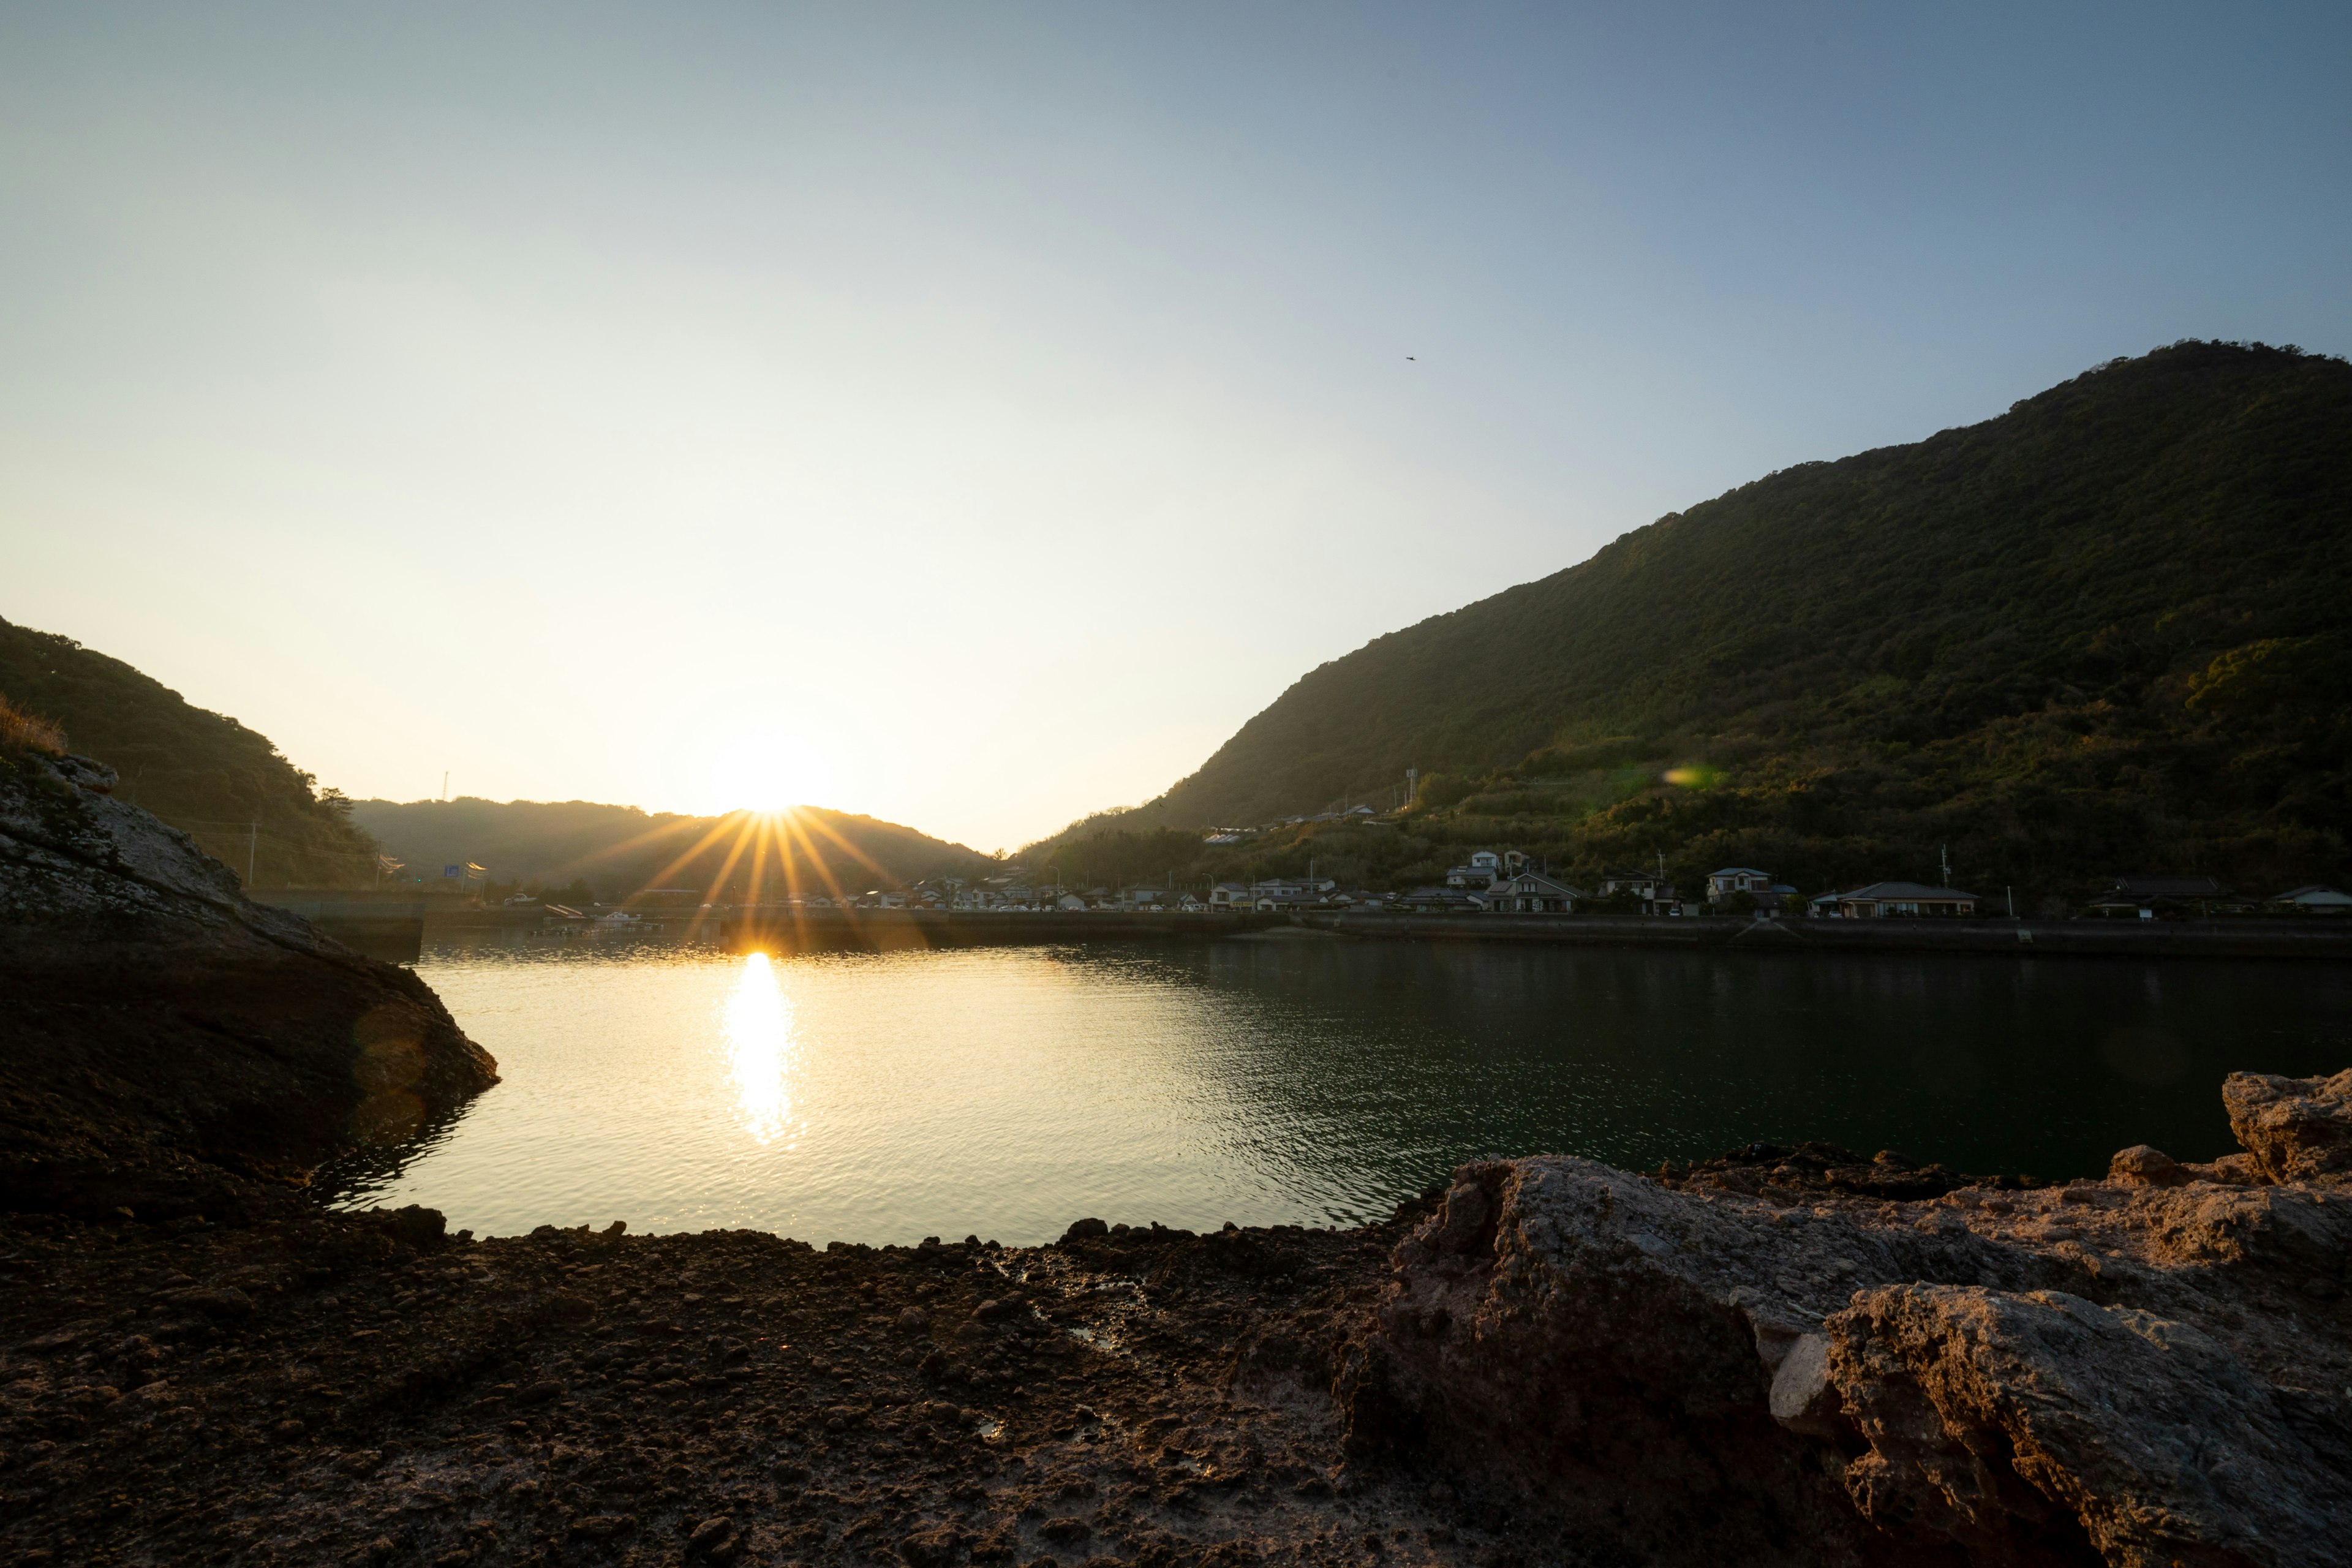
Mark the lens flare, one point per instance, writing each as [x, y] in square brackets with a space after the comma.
[760, 1049]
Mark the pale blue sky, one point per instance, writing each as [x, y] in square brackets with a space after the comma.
[972, 414]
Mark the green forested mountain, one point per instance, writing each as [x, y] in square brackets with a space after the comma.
[608, 852]
[203, 774]
[2107, 631]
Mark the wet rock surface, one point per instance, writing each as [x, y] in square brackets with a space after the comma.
[166, 1043]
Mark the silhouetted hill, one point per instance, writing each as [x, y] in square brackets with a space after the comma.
[2104, 631]
[203, 774]
[617, 850]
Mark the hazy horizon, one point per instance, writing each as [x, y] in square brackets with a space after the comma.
[969, 419]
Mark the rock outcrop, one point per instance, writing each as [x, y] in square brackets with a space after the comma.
[2155, 1369]
[166, 1042]
[2296, 1128]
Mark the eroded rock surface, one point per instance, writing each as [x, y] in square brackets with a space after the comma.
[2155, 1369]
[165, 1038]
[2009, 1422]
[2296, 1128]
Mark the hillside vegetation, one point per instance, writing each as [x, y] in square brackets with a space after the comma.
[2105, 632]
[203, 774]
[583, 850]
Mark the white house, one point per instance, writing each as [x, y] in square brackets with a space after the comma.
[2316, 900]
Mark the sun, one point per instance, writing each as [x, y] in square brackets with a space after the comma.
[767, 770]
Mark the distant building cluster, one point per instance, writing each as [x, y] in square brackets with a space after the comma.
[1490, 881]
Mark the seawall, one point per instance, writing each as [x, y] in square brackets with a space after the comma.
[2328, 939]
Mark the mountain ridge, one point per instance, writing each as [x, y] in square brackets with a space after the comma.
[2095, 559]
[611, 851]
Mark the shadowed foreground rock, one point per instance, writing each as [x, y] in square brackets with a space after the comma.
[2142, 1371]
[166, 1043]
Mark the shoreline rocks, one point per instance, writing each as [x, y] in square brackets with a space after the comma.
[1548, 1363]
[169, 1044]
[2153, 1369]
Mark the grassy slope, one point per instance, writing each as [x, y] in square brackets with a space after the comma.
[196, 770]
[617, 850]
[2104, 630]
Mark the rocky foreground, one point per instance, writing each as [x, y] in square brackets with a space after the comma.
[1552, 1361]
[1781, 1356]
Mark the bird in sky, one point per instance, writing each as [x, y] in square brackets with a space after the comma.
[1408, 356]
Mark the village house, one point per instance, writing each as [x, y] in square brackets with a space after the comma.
[1654, 892]
[1731, 881]
[2143, 897]
[1307, 889]
[1531, 893]
[1439, 901]
[2314, 900]
[1484, 868]
[1892, 901]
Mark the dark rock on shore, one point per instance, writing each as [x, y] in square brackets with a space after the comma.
[170, 1046]
[2150, 1370]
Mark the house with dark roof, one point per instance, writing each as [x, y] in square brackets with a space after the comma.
[1898, 900]
[2146, 898]
[1531, 893]
[1439, 901]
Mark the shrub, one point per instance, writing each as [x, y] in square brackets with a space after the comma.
[23, 732]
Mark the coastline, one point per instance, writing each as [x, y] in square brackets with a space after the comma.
[1550, 1361]
[902, 930]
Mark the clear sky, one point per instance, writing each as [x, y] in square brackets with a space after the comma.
[972, 413]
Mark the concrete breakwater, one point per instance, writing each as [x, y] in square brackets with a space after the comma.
[2120, 939]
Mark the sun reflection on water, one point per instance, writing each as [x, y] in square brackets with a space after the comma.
[760, 1050]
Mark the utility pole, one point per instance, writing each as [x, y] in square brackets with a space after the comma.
[1947, 865]
[444, 784]
[252, 842]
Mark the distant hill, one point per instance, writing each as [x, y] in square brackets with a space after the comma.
[608, 852]
[2107, 631]
[203, 774]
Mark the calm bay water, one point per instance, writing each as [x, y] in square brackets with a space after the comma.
[1007, 1091]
